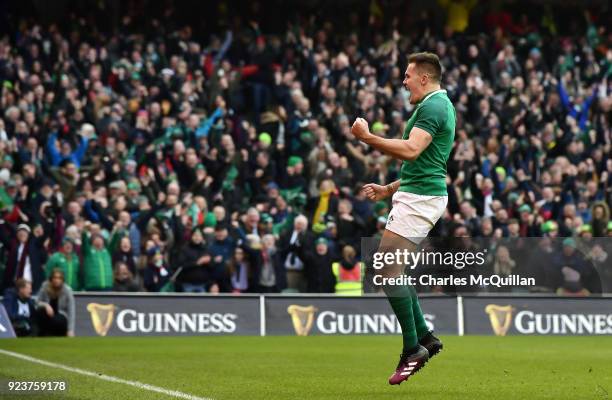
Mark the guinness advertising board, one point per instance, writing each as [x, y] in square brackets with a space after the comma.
[304, 316]
[167, 315]
[503, 316]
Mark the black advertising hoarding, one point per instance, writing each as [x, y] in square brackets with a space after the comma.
[299, 315]
[537, 316]
[166, 315]
[193, 315]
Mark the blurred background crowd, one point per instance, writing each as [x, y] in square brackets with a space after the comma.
[161, 146]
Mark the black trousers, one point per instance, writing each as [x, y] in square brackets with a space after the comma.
[51, 326]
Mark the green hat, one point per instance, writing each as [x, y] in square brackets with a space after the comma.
[525, 208]
[512, 197]
[501, 172]
[266, 218]
[8, 85]
[321, 240]
[265, 138]
[210, 220]
[585, 228]
[549, 226]
[610, 226]
[201, 166]
[318, 227]
[569, 242]
[136, 76]
[307, 137]
[294, 160]
[8, 157]
[133, 186]
[378, 127]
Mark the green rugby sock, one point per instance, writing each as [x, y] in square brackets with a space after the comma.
[400, 298]
[419, 321]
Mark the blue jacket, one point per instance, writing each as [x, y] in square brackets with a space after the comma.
[56, 157]
[10, 302]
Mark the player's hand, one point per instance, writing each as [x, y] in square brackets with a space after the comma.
[375, 192]
[360, 129]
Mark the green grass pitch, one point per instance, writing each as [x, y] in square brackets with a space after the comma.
[319, 367]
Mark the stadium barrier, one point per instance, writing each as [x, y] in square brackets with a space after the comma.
[137, 314]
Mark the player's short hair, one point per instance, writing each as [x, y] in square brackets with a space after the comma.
[428, 63]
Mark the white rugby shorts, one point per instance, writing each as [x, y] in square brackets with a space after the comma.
[413, 215]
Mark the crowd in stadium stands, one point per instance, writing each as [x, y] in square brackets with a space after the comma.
[150, 160]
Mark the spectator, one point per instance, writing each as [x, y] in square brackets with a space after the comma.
[68, 262]
[21, 308]
[195, 260]
[318, 267]
[25, 258]
[124, 254]
[148, 130]
[272, 274]
[97, 266]
[221, 250]
[157, 272]
[123, 279]
[57, 315]
[239, 269]
[291, 243]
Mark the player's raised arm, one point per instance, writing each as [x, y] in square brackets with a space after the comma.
[405, 150]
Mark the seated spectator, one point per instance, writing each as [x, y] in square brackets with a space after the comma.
[56, 315]
[21, 308]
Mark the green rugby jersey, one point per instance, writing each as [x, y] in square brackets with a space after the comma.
[426, 175]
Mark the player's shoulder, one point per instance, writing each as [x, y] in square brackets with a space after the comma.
[435, 104]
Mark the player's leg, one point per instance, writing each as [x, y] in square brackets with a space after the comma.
[401, 297]
[426, 337]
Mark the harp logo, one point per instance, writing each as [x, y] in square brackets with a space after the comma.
[302, 318]
[500, 317]
[102, 316]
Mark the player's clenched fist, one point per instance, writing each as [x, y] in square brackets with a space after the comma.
[375, 192]
[360, 128]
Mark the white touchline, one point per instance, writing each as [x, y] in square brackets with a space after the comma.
[140, 385]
